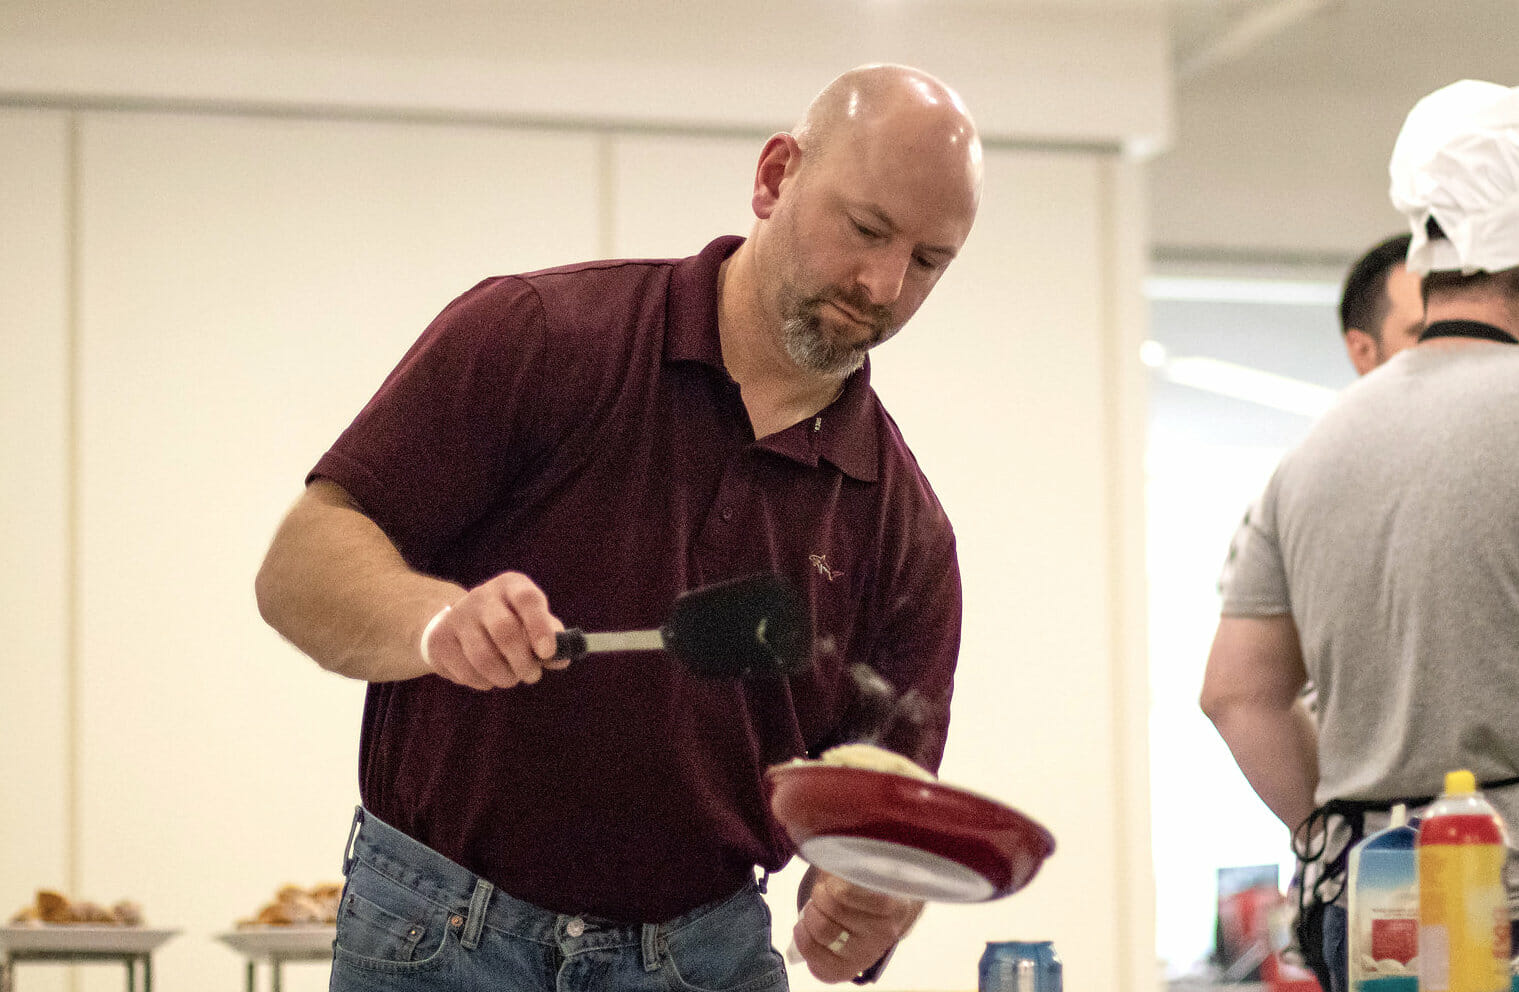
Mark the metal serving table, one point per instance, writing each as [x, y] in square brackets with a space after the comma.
[278, 945]
[73, 943]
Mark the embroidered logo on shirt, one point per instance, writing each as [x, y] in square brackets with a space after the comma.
[820, 562]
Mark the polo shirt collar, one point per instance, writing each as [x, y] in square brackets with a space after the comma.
[847, 437]
[691, 335]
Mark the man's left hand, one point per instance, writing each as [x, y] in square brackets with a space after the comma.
[844, 929]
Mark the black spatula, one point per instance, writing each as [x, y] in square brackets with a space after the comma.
[753, 627]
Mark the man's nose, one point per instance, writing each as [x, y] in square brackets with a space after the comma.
[882, 274]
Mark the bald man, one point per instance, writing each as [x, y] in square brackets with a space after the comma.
[582, 445]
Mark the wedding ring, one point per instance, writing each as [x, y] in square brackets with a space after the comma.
[837, 947]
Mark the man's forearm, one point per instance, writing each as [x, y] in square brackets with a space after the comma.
[337, 588]
[1277, 750]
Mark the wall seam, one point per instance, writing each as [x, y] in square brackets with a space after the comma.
[1125, 318]
[606, 201]
[1107, 205]
[73, 851]
[1124, 248]
[457, 117]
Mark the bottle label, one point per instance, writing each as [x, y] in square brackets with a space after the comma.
[1434, 958]
[1463, 919]
[1394, 938]
[1383, 938]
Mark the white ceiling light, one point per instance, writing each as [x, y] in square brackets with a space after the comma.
[1210, 290]
[1241, 382]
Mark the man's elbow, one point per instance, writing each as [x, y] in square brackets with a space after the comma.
[1213, 703]
[280, 575]
[1232, 706]
[271, 590]
[277, 585]
[265, 592]
[1221, 702]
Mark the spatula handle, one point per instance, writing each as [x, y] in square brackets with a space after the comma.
[570, 644]
[575, 643]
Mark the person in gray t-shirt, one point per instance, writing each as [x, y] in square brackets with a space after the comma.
[1381, 313]
[1382, 562]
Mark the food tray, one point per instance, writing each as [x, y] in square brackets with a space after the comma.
[293, 941]
[81, 938]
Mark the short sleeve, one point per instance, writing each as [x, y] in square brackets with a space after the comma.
[1253, 581]
[452, 424]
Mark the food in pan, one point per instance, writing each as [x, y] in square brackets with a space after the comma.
[51, 907]
[295, 906]
[872, 758]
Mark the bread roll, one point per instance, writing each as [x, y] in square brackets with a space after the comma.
[51, 907]
[295, 906]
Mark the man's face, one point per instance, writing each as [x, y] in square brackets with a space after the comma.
[862, 235]
[1405, 313]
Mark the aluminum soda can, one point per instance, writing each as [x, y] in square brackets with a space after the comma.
[1020, 966]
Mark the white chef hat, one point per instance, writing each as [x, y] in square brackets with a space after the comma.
[1457, 161]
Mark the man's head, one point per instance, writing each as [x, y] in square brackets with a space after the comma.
[860, 210]
[1492, 297]
[1381, 310]
[1455, 176]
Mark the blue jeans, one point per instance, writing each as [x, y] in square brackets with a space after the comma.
[412, 920]
[1336, 951]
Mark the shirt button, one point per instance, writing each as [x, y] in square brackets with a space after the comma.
[575, 927]
[727, 513]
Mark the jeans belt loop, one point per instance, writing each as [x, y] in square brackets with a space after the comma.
[353, 829]
[651, 934]
[476, 922]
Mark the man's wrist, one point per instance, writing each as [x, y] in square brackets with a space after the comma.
[427, 633]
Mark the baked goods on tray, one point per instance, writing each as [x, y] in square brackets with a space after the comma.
[295, 906]
[51, 907]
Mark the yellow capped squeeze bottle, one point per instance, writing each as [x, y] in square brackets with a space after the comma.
[1463, 908]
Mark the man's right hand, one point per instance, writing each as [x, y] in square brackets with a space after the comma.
[499, 635]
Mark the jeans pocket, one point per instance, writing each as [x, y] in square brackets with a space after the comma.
[726, 950]
[383, 924]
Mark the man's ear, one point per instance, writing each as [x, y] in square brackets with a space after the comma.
[1362, 349]
[778, 160]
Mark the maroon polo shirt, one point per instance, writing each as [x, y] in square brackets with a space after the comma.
[577, 425]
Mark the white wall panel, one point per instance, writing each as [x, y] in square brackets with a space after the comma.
[1004, 385]
[673, 195]
[35, 722]
[246, 285]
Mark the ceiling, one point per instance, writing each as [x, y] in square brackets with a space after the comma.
[1285, 116]
[1399, 45]
[1286, 112]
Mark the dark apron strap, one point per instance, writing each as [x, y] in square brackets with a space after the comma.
[1310, 841]
[1467, 329]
